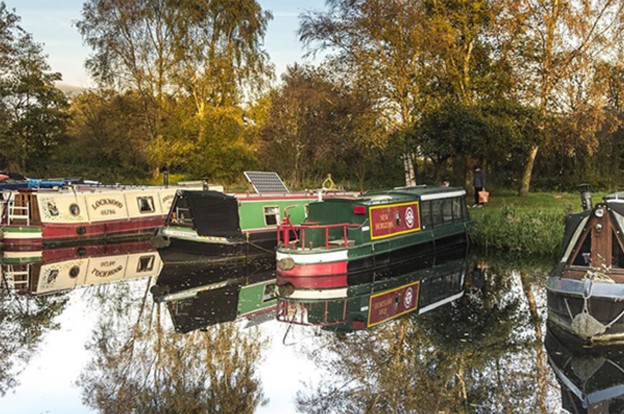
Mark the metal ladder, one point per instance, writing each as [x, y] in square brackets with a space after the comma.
[18, 212]
[15, 279]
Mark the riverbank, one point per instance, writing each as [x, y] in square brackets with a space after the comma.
[526, 225]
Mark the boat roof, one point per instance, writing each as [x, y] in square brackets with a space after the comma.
[615, 196]
[399, 194]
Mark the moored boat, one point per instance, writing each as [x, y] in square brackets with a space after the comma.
[409, 288]
[199, 293]
[591, 380]
[586, 288]
[342, 236]
[47, 217]
[56, 270]
[216, 224]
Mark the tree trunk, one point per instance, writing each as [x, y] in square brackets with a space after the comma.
[525, 184]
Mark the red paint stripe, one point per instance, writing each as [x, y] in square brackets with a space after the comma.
[98, 250]
[316, 269]
[58, 232]
[62, 231]
[315, 282]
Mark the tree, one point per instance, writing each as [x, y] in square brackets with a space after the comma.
[316, 125]
[32, 110]
[380, 42]
[204, 52]
[559, 38]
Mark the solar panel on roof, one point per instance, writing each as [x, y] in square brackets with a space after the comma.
[266, 182]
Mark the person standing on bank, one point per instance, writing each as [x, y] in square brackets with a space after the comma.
[478, 182]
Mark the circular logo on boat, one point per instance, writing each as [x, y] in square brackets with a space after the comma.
[409, 217]
[408, 298]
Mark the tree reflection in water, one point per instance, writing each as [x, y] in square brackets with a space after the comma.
[146, 367]
[24, 321]
[477, 354]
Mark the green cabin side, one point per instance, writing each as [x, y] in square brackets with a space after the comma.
[262, 214]
[444, 214]
[256, 297]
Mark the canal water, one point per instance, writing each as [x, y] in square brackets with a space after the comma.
[126, 328]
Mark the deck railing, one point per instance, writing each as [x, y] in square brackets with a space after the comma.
[297, 313]
[285, 230]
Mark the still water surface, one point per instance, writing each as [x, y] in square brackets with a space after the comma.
[125, 328]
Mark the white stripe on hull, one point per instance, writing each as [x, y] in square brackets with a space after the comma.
[327, 257]
[192, 236]
[440, 303]
[9, 235]
[319, 294]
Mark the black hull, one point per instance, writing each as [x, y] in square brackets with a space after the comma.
[258, 244]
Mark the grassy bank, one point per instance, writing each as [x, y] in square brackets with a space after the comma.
[527, 225]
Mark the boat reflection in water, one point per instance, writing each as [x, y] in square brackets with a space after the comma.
[56, 270]
[591, 379]
[200, 292]
[374, 297]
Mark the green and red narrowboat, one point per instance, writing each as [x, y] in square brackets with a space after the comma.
[36, 218]
[218, 224]
[342, 236]
[200, 293]
[60, 269]
[394, 291]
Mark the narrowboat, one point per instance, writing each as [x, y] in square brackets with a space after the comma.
[199, 293]
[585, 291]
[217, 224]
[342, 236]
[591, 379]
[57, 270]
[49, 217]
[391, 292]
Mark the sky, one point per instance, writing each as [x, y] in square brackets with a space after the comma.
[52, 24]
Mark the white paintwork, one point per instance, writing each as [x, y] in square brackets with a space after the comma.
[438, 196]
[319, 293]
[574, 239]
[441, 302]
[309, 258]
[95, 205]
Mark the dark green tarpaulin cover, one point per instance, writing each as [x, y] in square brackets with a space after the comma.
[214, 213]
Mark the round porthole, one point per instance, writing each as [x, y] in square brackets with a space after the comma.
[74, 209]
[74, 272]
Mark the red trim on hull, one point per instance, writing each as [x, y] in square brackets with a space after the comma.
[314, 282]
[315, 269]
[86, 231]
[75, 252]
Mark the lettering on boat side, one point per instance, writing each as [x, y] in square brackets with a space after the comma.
[393, 303]
[107, 202]
[394, 219]
[106, 273]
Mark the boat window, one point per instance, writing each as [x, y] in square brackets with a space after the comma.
[146, 263]
[583, 258]
[271, 215]
[436, 213]
[146, 204]
[447, 210]
[617, 255]
[269, 292]
[425, 214]
[457, 209]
